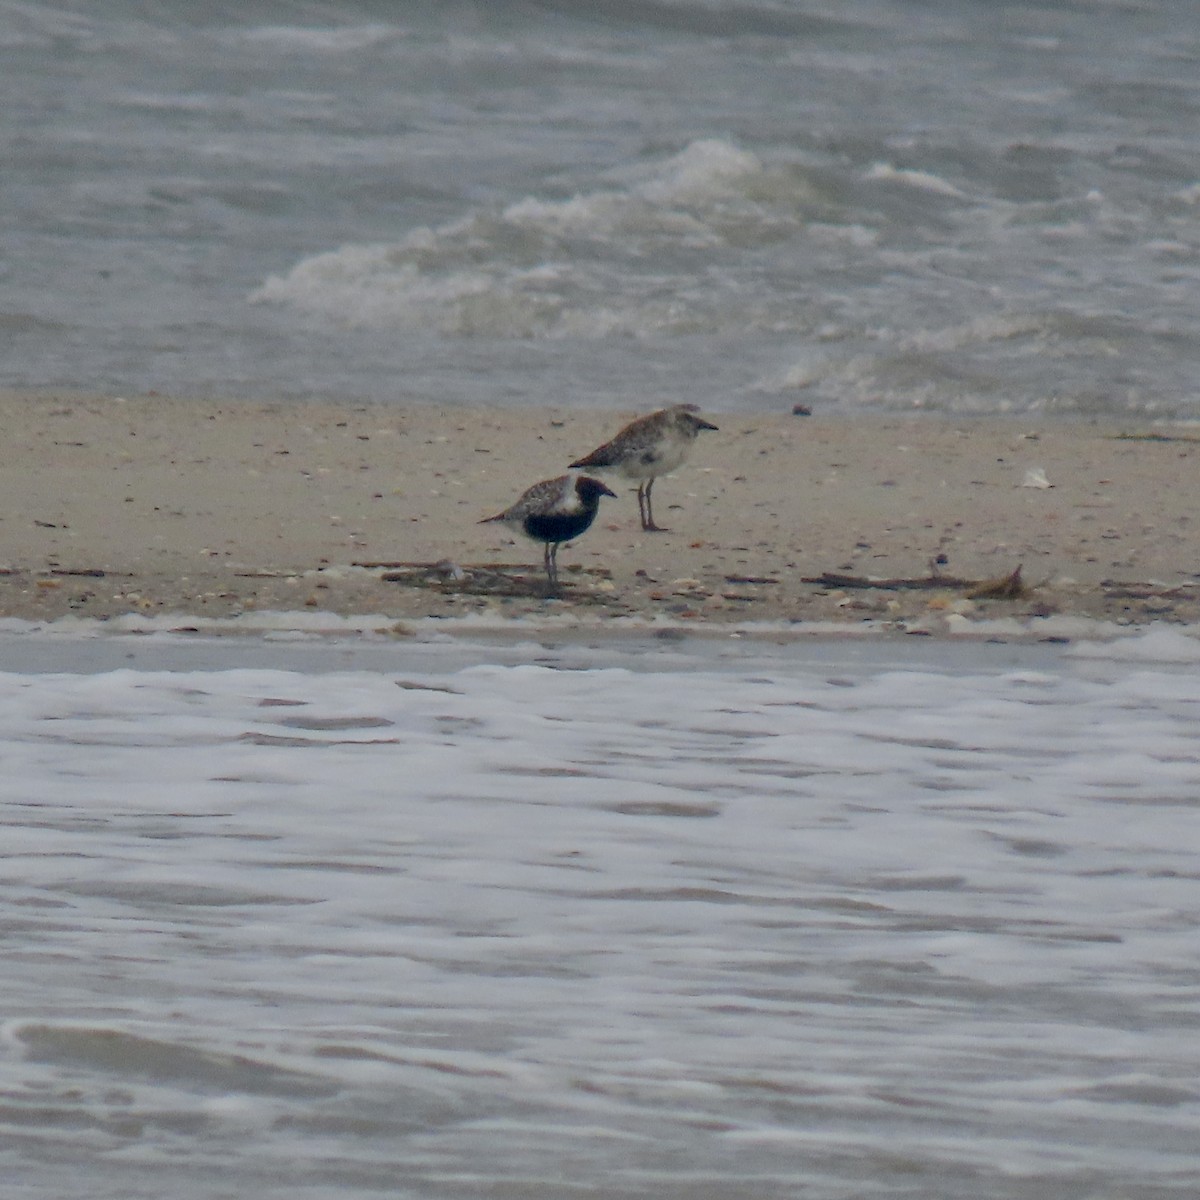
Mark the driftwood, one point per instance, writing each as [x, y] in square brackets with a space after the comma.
[832, 579]
[1002, 587]
[499, 578]
[1149, 591]
[1155, 437]
[513, 579]
[446, 567]
[482, 579]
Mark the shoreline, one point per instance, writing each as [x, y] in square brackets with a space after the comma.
[150, 506]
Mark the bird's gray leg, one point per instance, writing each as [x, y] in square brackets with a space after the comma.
[648, 518]
[550, 559]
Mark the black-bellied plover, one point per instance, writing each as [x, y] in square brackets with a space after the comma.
[554, 511]
[647, 448]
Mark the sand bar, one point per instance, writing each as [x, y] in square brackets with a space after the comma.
[148, 504]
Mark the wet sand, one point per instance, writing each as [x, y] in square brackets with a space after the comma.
[158, 505]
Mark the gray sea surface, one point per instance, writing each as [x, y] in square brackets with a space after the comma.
[544, 918]
[946, 205]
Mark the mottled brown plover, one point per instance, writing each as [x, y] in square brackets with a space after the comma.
[554, 511]
[647, 448]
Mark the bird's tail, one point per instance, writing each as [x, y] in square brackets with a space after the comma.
[597, 460]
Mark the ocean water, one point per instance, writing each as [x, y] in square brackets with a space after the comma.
[950, 205]
[694, 920]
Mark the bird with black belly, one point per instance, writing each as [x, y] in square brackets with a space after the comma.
[646, 448]
[552, 512]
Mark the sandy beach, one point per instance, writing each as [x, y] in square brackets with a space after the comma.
[147, 504]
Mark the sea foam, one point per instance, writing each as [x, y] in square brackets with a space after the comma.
[571, 916]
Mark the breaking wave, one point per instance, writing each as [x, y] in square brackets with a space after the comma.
[648, 255]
